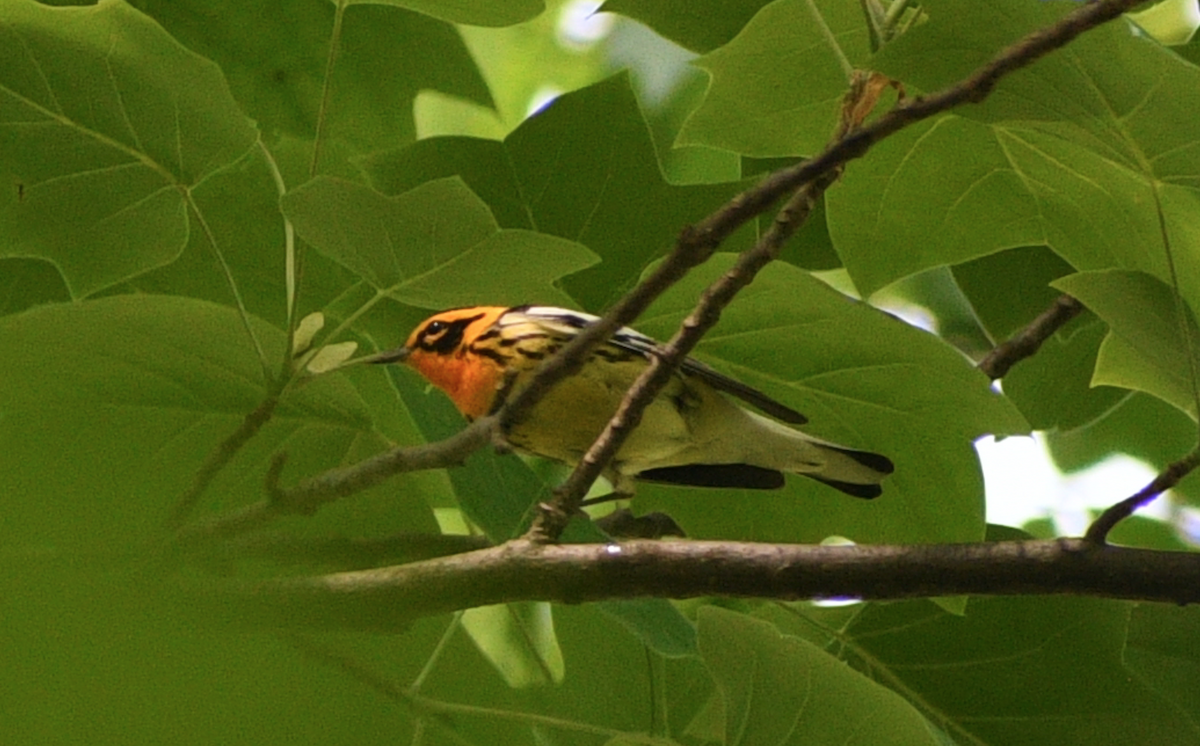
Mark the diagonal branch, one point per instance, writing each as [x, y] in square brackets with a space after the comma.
[810, 178]
[1026, 342]
[310, 494]
[1098, 532]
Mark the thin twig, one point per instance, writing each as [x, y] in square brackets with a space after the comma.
[1098, 532]
[310, 494]
[1026, 342]
[219, 458]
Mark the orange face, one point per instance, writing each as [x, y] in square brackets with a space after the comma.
[451, 350]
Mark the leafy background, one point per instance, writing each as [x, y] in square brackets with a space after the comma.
[180, 181]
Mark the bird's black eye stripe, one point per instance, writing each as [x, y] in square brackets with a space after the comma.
[444, 337]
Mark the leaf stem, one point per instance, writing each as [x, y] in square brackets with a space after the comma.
[268, 375]
[335, 39]
[289, 242]
[831, 39]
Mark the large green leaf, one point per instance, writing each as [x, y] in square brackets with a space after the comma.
[143, 387]
[436, 246]
[1054, 388]
[1022, 670]
[584, 169]
[1078, 152]
[790, 106]
[470, 12]
[1150, 347]
[784, 690]
[275, 54]
[106, 124]
[699, 25]
[1161, 652]
[864, 379]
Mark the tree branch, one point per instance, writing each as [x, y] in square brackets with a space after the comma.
[1098, 532]
[389, 598]
[221, 456]
[310, 494]
[1026, 342]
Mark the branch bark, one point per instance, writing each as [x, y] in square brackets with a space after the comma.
[306, 496]
[1026, 342]
[1098, 532]
[389, 598]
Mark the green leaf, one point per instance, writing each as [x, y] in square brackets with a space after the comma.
[1141, 426]
[1054, 388]
[865, 380]
[789, 107]
[436, 246]
[1146, 349]
[106, 123]
[1012, 670]
[29, 282]
[698, 25]
[275, 54]
[784, 690]
[1161, 653]
[583, 169]
[143, 388]
[1001, 312]
[519, 640]
[1077, 152]
[470, 12]
[240, 206]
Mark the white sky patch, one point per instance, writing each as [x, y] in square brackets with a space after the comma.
[580, 26]
[1023, 484]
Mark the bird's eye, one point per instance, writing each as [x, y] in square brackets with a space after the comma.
[435, 328]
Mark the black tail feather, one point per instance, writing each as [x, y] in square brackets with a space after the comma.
[865, 491]
[743, 476]
[873, 461]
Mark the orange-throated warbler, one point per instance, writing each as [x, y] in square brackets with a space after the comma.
[691, 434]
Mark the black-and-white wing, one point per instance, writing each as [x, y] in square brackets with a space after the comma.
[632, 340]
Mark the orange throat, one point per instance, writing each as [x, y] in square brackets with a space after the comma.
[471, 381]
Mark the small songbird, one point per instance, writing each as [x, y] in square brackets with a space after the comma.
[691, 434]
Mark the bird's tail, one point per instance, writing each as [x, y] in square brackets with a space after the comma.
[857, 473]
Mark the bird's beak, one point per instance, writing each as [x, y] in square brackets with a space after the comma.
[388, 356]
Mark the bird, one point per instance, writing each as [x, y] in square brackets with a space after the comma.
[691, 434]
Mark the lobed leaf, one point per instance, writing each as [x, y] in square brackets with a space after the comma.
[106, 123]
